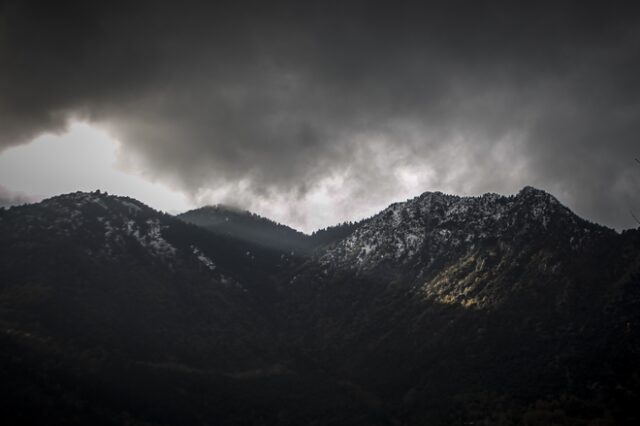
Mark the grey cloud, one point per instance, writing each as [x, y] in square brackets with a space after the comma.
[10, 198]
[271, 101]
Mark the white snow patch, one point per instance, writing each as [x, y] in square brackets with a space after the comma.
[131, 206]
[202, 258]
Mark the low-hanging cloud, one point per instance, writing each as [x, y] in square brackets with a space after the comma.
[291, 104]
[9, 198]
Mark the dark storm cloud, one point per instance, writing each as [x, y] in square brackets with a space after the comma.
[273, 100]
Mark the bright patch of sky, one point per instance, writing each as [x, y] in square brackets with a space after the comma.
[82, 159]
[86, 158]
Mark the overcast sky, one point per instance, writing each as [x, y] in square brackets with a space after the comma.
[317, 112]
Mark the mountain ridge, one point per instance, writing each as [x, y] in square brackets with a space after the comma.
[249, 226]
[413, 315]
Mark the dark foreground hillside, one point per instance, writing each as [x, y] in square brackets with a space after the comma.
[439, 310]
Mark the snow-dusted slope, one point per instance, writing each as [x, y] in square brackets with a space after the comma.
[106, 222]
[110, 228]
[434, 226]
[93, 264]
[459, 286]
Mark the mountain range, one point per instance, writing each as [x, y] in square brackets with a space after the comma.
[440, 310]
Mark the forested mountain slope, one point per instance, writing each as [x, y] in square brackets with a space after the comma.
[437, 310]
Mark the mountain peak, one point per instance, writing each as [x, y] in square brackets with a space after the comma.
[244, 225]
[532, 192]
[222, 208]
[438, 224]
[531, 189]
[74, 201]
